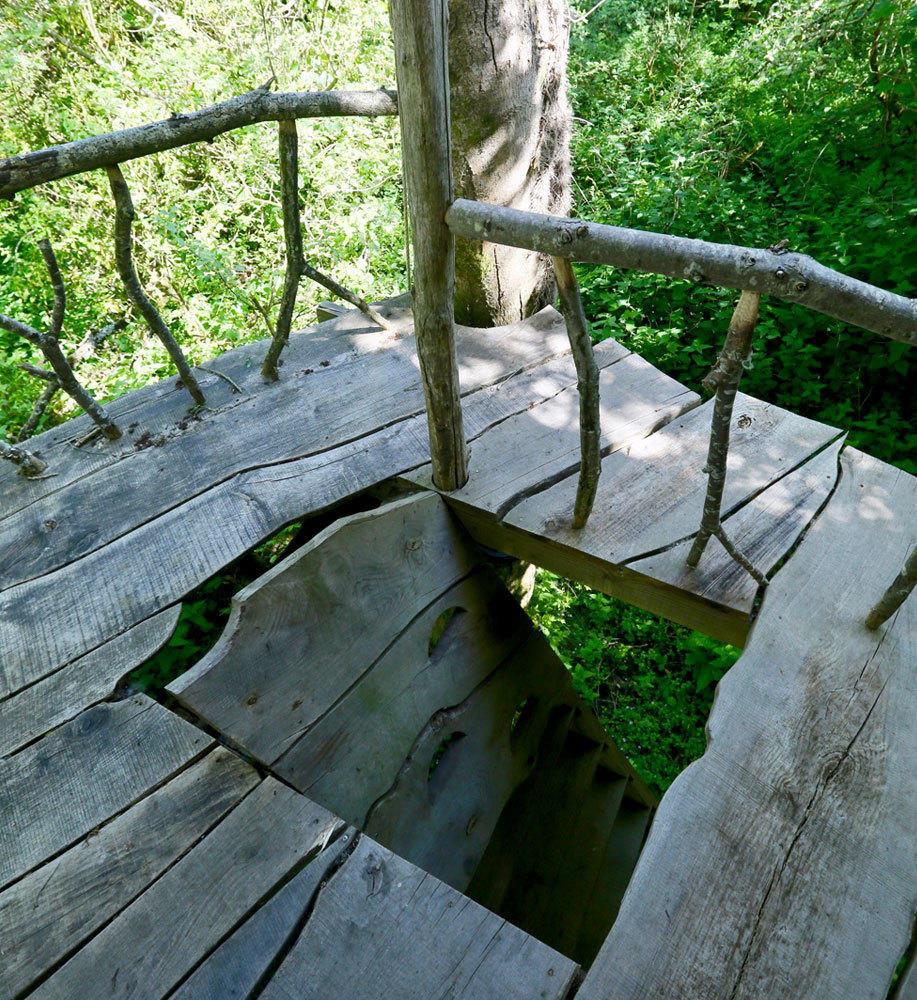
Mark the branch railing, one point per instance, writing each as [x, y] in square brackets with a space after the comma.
[436, 220]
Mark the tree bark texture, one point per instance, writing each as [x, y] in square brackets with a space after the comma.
[587, 381]
[420, 30]
[510, 143]
[288, 147]
[896, 594]
[29, 464]
[17, 173]
[790, 276]
[725, 378]
[124, 219]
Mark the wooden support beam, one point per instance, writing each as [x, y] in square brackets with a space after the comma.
[420, 30]
[793, 277]
[18, 173]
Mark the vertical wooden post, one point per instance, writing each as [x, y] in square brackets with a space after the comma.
[420, 30]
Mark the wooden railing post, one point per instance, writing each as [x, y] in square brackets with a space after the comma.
[420, 30]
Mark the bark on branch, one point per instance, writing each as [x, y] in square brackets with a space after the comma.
[29, 464]
[292, 234]
[587, 373]
[420, 30]
[124, 218]
[49, 345]
[896, 594]
[725, 378]
[341, 292]
[790, 276]
[90, 343]
[21, 172]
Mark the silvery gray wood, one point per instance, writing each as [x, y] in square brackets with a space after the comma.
[150, 946]
[220, 524]
[356, 393]
[382, 928]
[160, 406]
[77, 777]
[17, 173]
[790, 276]
[233, 971]
[765, 529]
[650, 496]
[541, 444]
[31, 712]
[792, 840]
[307, 631]
[61, 904]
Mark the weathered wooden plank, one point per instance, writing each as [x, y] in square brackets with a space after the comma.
[382, 928]
[540, 445]
[219, 525]
[349, 395]
[162, 405]
[233, 971]
[792, 840]
[304, 633]
[764, 530]
[30, 713]
[153, 944]
[55, 909]
[333, 761]
[80, 775]
[649, 496]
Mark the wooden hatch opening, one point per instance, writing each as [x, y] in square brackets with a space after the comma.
[384, 671]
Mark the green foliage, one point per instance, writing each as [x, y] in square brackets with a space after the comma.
[745, 122]
[208, 233]
[649, 681]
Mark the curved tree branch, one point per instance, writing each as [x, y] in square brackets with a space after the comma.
[124, 218]
[19, 173]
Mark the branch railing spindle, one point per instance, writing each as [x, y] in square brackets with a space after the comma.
[124, 219]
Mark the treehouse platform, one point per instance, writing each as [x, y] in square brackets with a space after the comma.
[380, 783]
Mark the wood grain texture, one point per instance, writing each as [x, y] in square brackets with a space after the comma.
[341, 398]
[308, 630]
[234, 970]
[382, 928]
[792, 840]
[57, 790]
[220, 524]
[765, 529]
[60, 905]
[541, 444]
[166, 932]
[27, 714]
[649, 497]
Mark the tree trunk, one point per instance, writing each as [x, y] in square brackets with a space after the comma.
[510, 143]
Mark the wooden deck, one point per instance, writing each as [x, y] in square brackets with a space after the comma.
[245, 848]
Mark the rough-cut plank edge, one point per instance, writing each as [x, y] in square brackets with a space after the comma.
[17, 173]
[33, 711]
[445, 556]
[227, 973]
[797, 497]
[762, 954]
[537, 341]
[259, 845]
[790, 276]
[348, 333]
[226, 780]
[369, 896]
[329, 476]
